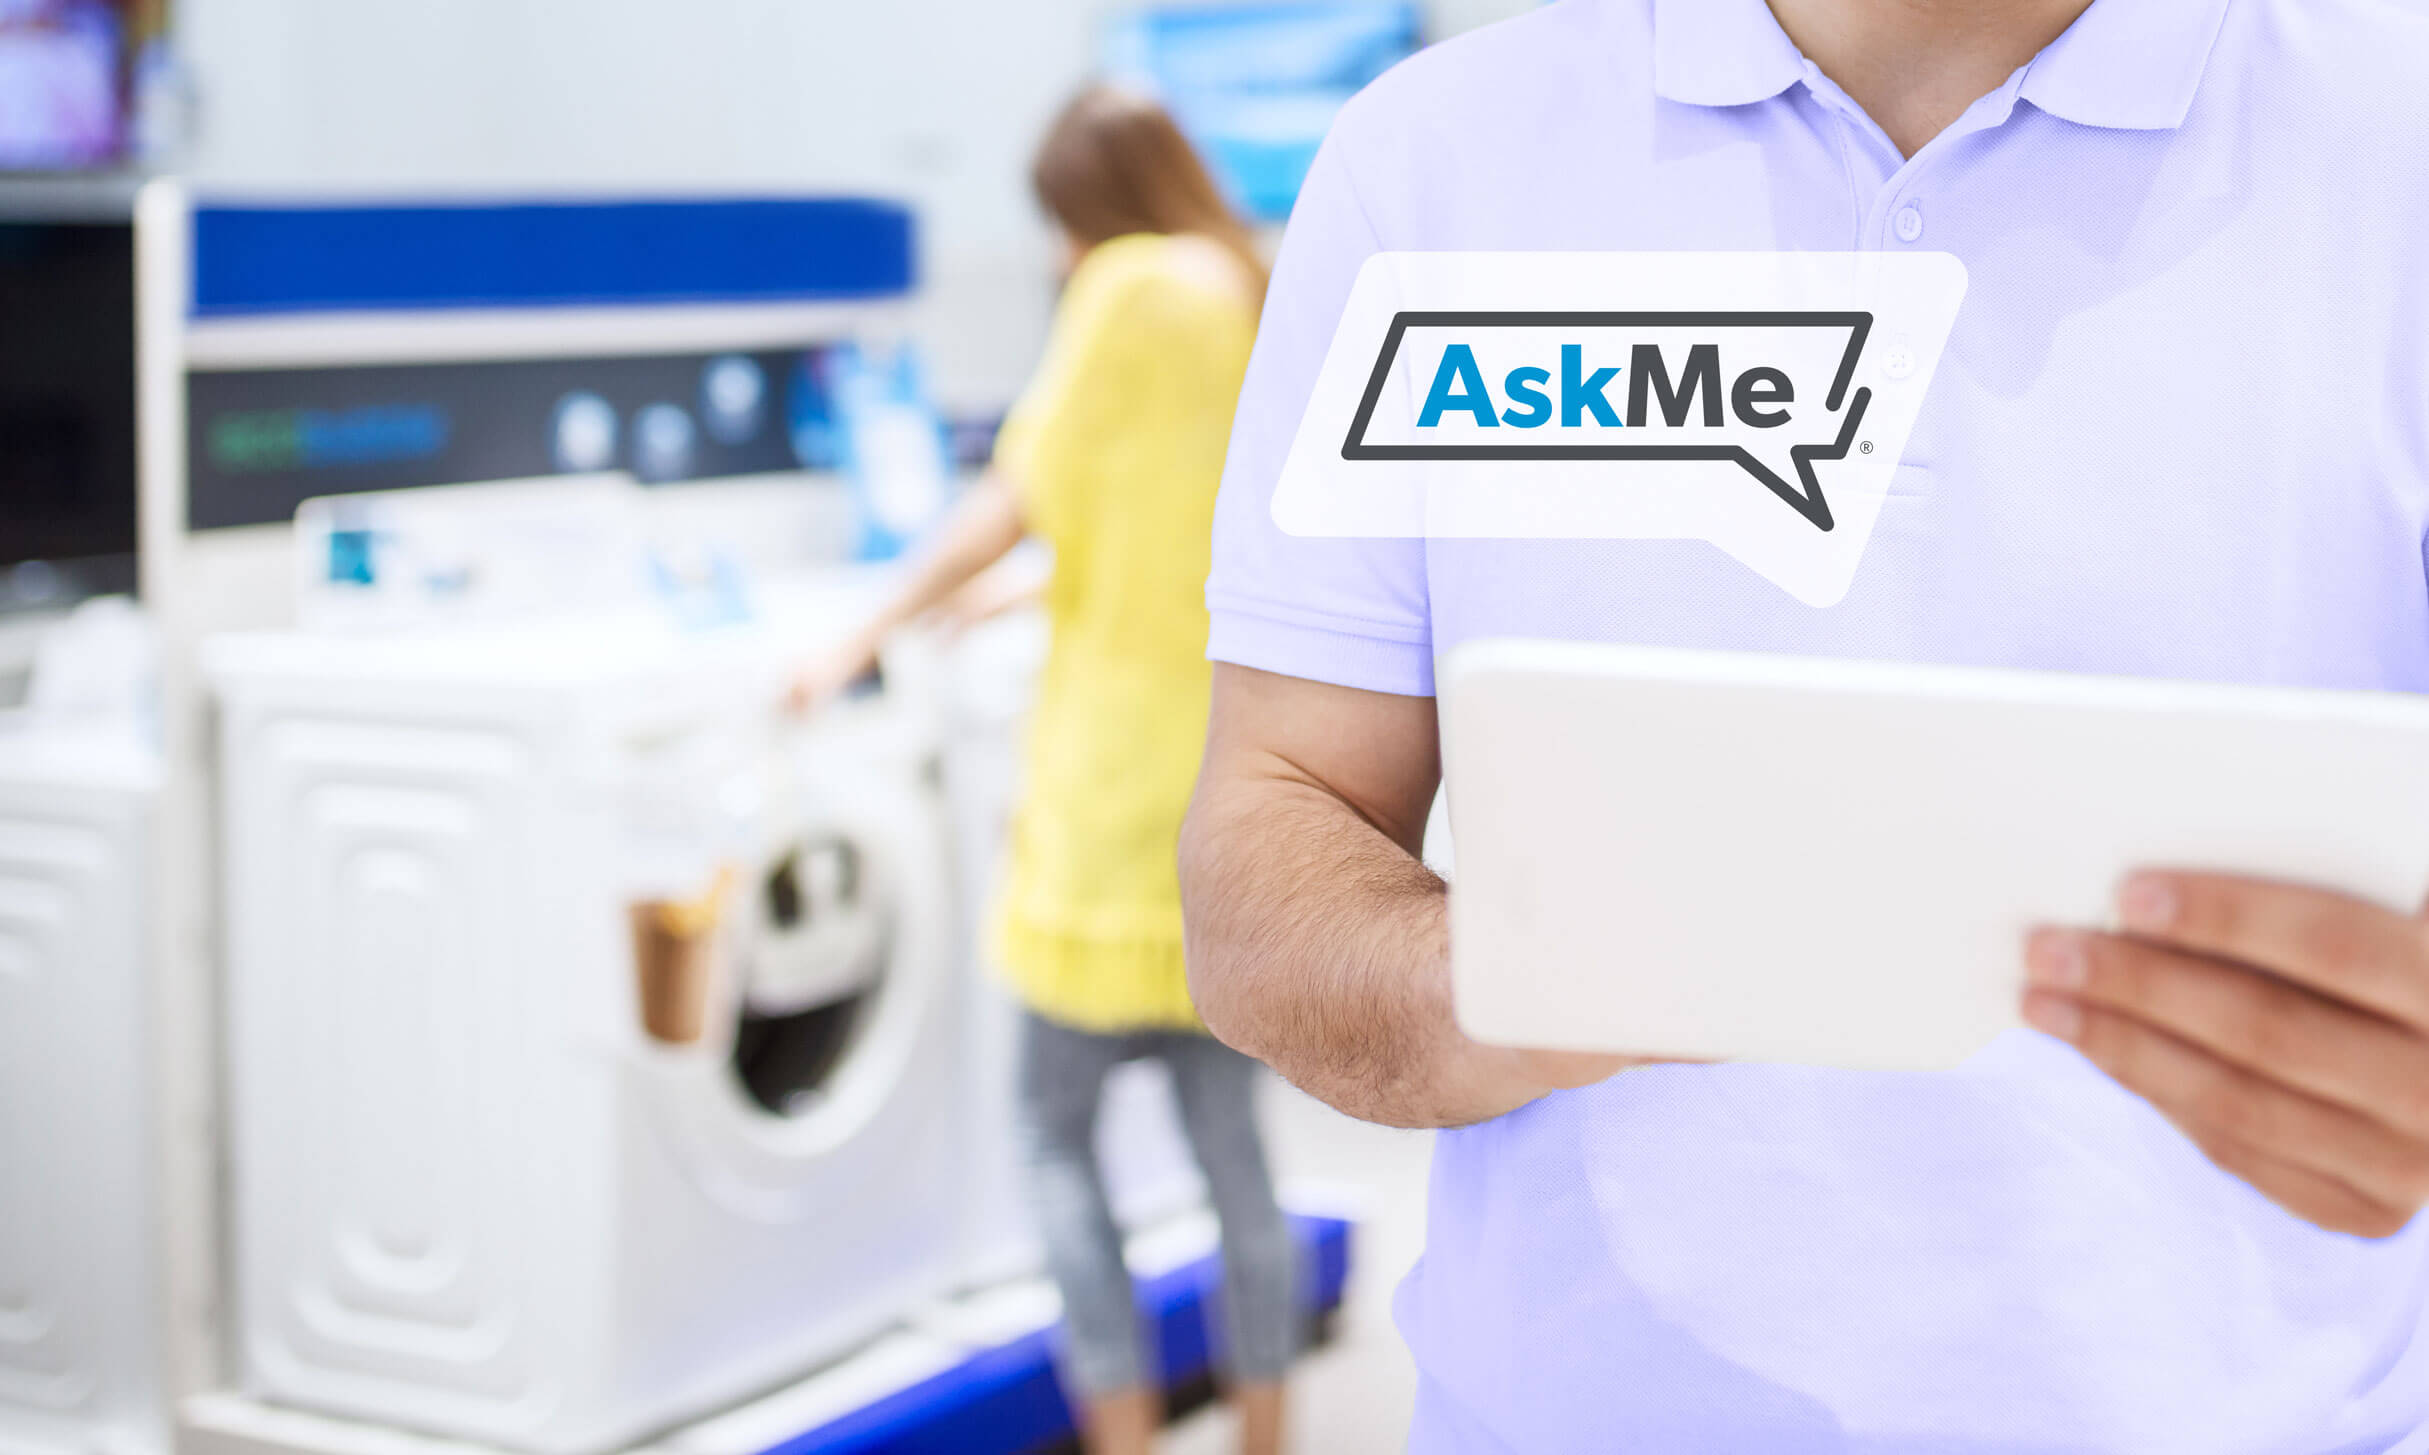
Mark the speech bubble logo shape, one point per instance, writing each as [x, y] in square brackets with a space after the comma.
[1542, 395]
[1804, 495]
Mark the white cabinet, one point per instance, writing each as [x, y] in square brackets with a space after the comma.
[79, 1311]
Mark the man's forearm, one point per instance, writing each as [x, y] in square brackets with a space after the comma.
[1321, 946]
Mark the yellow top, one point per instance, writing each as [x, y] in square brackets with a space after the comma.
[1116, 450]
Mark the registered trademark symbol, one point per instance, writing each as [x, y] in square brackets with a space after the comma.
[1866, 447]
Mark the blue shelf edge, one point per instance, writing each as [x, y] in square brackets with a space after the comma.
[299, 258]
[1005, 1400]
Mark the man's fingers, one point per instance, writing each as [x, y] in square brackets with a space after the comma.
[2248, 1017]
[2345, 948]
[1567, 1070]
[2321, 1201]
[2201, 1092]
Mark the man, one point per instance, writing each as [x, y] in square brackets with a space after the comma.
[2182, 430]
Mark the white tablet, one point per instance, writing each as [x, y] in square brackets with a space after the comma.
[1727, 856]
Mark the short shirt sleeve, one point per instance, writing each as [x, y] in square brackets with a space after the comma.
[1351, 612]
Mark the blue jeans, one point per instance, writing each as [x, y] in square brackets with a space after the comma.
[1062, 1081]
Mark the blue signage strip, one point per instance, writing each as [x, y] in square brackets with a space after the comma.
[1004, 1400]
[300, 259]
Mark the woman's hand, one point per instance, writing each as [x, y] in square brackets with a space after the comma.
[981, 527]
[826, 677]
[2284, 1029]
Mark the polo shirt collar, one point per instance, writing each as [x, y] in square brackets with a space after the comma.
[2128, 64]
[1721, 53]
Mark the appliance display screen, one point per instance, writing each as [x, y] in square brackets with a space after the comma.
[67, 407]
[261, 441]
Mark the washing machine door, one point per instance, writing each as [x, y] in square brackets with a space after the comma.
[843, 942]
[836, 998]
[793, 1186]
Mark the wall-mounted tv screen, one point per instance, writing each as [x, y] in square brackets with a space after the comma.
[69, 74]
[1254, 85]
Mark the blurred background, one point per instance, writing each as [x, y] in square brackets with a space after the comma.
[446, 998]
[935, 103]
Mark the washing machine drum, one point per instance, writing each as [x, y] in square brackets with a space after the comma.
[823, 929]
[824, 919]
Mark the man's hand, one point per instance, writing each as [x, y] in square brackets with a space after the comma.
[1316, 940]
[2284, 1029]
[1540, 1073]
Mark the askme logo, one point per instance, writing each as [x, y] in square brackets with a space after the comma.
[1681, 408]
[1758, 401]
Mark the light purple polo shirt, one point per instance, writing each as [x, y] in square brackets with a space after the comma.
[2182, 429]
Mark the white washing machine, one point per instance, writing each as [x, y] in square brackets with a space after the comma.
[986, 681]
[473, 1193]
[80, 1362]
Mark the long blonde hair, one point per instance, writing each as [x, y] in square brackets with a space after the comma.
[1113, 162]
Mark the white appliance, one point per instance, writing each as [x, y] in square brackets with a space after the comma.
[471, 1194]
[986, 682]
[80, 1359]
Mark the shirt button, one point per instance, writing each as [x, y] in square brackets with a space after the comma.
[1908, 222]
